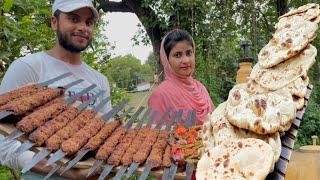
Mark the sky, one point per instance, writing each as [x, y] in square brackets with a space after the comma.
[120, 30]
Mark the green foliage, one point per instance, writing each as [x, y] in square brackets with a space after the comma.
[24, 28]
[6, 174]
[127, 71]
[98, 55]
[152, 62]
[118, 94]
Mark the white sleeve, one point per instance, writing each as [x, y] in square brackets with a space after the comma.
[8, 157]
[106, 87]
[18, 74]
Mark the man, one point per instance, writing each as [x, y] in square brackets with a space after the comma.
[73, 22]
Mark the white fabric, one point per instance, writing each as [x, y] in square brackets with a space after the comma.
[40, 67]
[72, 5]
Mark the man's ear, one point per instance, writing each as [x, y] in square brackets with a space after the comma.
[54, 23]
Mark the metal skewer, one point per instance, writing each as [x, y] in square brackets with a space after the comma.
[96, 109]
[98, 163]
[108, 168]
[127, 126]
[27, 144]
[4, 114]
[18, 133]
[43, 153]
[149, 165]
[60, 154]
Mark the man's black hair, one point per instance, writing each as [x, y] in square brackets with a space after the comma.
[57, 13]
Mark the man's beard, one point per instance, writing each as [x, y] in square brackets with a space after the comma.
[66, 43]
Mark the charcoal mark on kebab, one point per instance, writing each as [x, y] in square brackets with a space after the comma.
[136, 142]
[116, 158]
[42, 133]
[28, 89]
[39, 117]
[69, 147]
[114, 144]
[140, 157]
[141, 131]
[60, 154]
[80, 120]
[26, 127]
[86, 150]
[156, 155]
[54, 142]
[24, 91]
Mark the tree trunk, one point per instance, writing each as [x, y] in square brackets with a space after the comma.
[282, 7]
[155, 32]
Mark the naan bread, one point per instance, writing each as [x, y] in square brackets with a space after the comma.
[222, 130]
[255, 88]
[316, 20]
[309, 9]
[207, 137]
[237, 159]
[286, 72]
[299, 102]
[260, 113]
[299, 87]
[296, 88]
[287, 43]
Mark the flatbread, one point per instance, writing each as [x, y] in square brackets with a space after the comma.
[222, 130]
[237, 159]
[255, 88]
[260, 113]
[299, 87]
[316, 20]
[305, 9]
[207, 138]
[286, 72]
[287, 42]
[299, 102]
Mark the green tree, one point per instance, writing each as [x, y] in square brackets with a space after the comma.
[127, 71]
[24, 28]
[152, 62]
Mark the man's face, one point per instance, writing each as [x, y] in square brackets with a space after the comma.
[75, 29]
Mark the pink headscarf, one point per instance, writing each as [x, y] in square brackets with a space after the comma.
[180, 93]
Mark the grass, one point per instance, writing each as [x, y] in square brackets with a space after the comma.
[138, 98]
[5, 173]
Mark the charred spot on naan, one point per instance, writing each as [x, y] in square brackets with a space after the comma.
[236, 95]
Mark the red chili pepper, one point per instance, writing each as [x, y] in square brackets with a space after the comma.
[181, 131]
[191, 140]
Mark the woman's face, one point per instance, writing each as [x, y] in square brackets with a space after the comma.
[182, 59]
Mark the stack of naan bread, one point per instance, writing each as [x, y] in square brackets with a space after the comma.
[241, 137]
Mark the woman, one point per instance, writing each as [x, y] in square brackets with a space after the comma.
[180, 90]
